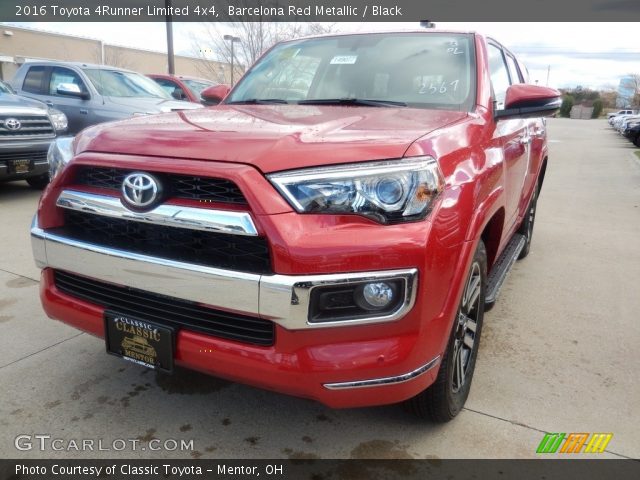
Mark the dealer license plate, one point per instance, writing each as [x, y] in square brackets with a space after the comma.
[21, 166]
[139, 341]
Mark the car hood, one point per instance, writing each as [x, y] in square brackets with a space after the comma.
[152, 105]
[10, 101]
[270, 137]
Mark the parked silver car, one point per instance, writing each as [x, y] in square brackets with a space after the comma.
[90, 94]
[27, 128]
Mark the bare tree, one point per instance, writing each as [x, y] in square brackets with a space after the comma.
[255, 38]
[114, 56]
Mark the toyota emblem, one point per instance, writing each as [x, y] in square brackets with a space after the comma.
[12, 124]
[140, 190]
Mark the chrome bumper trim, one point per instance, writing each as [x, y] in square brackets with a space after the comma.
[232, 291]
[283, 299]
[237, 223]
[378, 382]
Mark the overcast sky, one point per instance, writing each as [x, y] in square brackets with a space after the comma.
[593, 55]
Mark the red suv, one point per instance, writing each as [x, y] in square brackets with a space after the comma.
[334, 229]
[182, 87]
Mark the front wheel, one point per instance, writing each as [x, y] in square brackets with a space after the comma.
[38, 182]
[443, 400]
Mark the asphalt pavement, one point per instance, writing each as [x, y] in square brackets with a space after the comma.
[559, 351]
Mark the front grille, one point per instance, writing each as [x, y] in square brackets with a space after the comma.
[6, 157]
[168, 311]
[31, 126]
[190, 187]
[232, 252]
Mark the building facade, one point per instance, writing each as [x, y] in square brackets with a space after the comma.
[18, 45]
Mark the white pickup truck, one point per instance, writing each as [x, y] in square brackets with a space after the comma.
[620, 112]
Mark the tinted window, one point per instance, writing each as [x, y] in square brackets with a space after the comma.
[33, 80]
[61, 75]
[428, 70]
[499, 75]
[167, 85]
[514, 73]
[197, 86]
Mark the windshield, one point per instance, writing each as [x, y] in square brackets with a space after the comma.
[116, 83]
[424, 70]
[4, 88]
[196, 86]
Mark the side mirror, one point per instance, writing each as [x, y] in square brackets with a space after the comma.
[526, 101]
[214, 95]
[71, 90]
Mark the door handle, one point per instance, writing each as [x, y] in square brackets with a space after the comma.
[84, 111]
[526, 140]
[49, 102]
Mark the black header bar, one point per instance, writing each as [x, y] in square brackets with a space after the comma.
[319, 10]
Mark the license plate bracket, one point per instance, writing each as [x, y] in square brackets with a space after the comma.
[21, 166]
[139, 341]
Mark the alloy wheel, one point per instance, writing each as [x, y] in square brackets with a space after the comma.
[465, 335]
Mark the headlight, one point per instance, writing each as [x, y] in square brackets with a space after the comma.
[58, 119]
[387, 192]
[59, 155]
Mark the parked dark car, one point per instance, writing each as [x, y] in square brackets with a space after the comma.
[632, 132]
[27, 127]
[182, 87]
[90, 94]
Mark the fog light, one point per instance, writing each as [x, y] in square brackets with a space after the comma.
[374, 296]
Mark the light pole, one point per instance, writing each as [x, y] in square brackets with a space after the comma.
[231, 39]
[169, 24]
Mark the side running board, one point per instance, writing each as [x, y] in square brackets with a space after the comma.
[501, 269]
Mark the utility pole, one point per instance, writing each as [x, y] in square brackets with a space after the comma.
[232, 39]
[169, 24]
[548, 72]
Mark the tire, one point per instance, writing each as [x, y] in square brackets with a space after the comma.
[443, 400]
[526, 228]
[38, 182]
[636, 142]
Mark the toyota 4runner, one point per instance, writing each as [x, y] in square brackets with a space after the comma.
[334, 229]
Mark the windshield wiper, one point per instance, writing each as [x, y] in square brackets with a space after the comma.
[257, 101]
[352, 101]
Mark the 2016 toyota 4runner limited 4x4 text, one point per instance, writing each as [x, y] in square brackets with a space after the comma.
[332, 230]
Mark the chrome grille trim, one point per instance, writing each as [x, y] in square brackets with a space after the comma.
[32, 126]
[221, 221]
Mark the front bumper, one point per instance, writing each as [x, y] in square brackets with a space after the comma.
[306, 361]
[23, 150]
[283, 299]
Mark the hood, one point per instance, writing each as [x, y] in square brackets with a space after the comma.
[152, 105]
[270, 137]
[9, 101]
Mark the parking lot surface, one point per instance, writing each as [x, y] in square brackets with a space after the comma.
[559, 351]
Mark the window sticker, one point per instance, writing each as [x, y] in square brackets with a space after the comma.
[344, 60]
